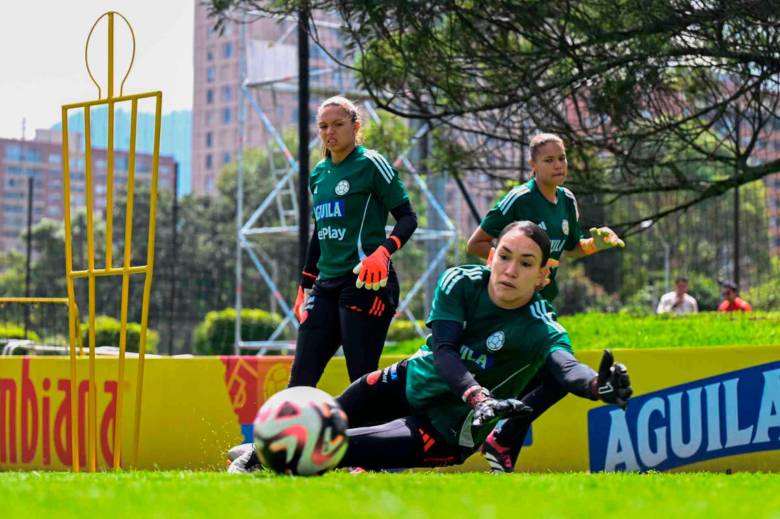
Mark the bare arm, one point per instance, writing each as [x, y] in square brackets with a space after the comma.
[480, 243]
[576, 252]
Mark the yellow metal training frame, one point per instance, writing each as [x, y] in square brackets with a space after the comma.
[126, 270]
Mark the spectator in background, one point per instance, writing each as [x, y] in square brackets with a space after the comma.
[731, 301]
[678, 301]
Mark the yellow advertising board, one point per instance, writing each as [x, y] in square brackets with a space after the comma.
[693, 409]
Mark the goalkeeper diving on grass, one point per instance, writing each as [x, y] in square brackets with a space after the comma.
[544, 201]
[491, 333]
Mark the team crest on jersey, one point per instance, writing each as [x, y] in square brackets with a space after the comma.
[342, 188]
[565, 227]
[496, 341]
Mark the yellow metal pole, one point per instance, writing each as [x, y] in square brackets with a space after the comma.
[77, 324]
[57, 300]
[74, 416]
[92, 406]
[118, 99]
[148, 280]
[125, 285]
[116, 271]
[110, 148]
[110, 54]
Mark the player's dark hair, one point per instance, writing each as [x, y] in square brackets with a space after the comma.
[681, 279]
[534, 232]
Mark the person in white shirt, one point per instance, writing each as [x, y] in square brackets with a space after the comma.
[678, 301]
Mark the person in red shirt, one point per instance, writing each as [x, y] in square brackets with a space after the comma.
[731, 301]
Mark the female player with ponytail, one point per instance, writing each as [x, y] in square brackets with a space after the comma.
[348, 290]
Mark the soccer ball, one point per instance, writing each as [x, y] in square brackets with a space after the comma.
[300, 430]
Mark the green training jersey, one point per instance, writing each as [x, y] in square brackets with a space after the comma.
[351, 200]
[503, 349]
[560, 220]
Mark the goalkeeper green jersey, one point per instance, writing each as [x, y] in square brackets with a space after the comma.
[502, 348]
[560, 220]
[351, 201]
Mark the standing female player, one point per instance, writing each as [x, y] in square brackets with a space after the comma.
[348, 291]
[544, 201]
[491, 332]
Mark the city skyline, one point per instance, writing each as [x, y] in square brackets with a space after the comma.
[39, 78]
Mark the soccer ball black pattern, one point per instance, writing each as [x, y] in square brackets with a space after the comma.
[301, 431]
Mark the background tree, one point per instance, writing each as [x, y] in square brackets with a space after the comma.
[629, 85]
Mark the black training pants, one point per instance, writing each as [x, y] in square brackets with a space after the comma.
[541, 393]
[383, 433]
[340, 314]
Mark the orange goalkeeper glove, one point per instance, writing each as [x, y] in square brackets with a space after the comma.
[551, 264]
[373, 270]
[601, 239]
[300, 303]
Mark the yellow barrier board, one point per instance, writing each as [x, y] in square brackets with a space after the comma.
[694, 409]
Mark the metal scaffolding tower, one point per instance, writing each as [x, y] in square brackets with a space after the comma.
[282, 199]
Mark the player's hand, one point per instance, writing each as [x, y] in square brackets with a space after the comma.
[373, 270]
[299, 308]
[605, 238]
[486, 408]
[612, 385]
[496, 409]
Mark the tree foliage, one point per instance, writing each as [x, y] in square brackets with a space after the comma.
[195, 250]
[666, 96]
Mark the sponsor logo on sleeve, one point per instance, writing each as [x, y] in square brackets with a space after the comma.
[729, 414]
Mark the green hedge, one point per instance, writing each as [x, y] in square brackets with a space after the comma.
[215, 335]
[596, 331]
[402, 330]
[107, 334]
[14, 331]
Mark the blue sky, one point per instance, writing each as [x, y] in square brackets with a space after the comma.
[42, 56]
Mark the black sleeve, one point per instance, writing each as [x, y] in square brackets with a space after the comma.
[405, 224]
[312, 257]
[446, 358]
[574, 376]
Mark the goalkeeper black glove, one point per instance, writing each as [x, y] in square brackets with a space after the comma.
[486, 408]
[612, 385]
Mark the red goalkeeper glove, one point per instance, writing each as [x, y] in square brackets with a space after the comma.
[299, 308]
[551, 264]
[373, 270]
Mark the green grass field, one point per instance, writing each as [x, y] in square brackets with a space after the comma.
[594, 331]
[401, 496]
